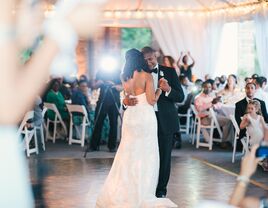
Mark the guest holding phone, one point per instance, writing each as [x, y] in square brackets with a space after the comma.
[203, 102]
[248, 168]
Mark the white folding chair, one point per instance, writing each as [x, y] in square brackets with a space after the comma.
[85, 122]
[244, 141]
[41, 128]
[57, 120]
[186, 127]
[28, 134]
[213, 125]
[194, 123]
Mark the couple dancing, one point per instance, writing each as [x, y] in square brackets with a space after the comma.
[141, 168]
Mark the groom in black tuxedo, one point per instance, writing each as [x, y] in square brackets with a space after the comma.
[167, 80]
[167, 117]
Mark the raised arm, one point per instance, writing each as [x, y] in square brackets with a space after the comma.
[245, 122]
[179, 60]
[152, 95]
[193, 61]
[248, 168]
[20, 85]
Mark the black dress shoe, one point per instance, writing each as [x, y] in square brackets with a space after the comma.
[161, 196]
[178, 145]
[91, 149]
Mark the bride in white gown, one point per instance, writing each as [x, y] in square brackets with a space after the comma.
[133, 177]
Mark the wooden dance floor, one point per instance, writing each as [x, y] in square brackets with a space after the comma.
[75, 182]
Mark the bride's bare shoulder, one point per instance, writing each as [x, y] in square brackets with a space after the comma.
[141, 75]
[148, 76]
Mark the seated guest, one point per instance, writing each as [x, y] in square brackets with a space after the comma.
[38, 119]
[214, 87]
[168, 61]
[223, 81]
[198, 86]
[248, 80]
[241, 106]
[83, 77]
[231, 94]
[63, 89]
[254, 76]
[259, 93]
[184, 84]
[203, 102]
[54, 96]
[73, 86]
[207, 77]
[80, 96]
[38, 108]
[217, 82]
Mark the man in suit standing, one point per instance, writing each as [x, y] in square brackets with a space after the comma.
[167, 117]
[241, 106]
[108, 104]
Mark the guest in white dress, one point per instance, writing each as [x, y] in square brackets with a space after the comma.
[254, 122]
[231, 93]
[260, 93]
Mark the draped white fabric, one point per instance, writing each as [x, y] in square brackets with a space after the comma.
[214, 34]
[261, 22]
[200, 36]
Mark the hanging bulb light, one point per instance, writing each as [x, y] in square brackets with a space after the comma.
[128, 14]
[118, 14]
[159, 14]
[190, 14]
[171, 14]
[139, 14]
[150, 14]
[108, 14]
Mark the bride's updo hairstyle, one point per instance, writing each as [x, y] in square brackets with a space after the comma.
[134, 62]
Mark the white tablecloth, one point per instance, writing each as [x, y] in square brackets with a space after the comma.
[228, 110]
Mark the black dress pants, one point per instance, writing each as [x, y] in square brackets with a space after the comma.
[111, 111]
[165, 147]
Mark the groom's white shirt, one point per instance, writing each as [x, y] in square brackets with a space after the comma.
[155, 77]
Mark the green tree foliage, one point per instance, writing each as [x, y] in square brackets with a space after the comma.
[135, 38]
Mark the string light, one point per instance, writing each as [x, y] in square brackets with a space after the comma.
[159, 14]
[236, 10]
[128, 14]
[171, 14]
[139, 15]
[150, 14]
[118, 14]
[108, 14]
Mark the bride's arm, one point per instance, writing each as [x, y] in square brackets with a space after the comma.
[151, 95]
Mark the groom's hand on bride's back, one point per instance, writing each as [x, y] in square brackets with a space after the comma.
[127, 101]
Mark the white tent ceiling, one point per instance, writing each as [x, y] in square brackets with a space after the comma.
[133, 13]
[173, 4]
[115, 10]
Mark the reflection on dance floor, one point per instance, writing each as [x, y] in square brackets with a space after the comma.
[76, 182]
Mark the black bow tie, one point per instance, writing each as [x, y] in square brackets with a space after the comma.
[155, 70]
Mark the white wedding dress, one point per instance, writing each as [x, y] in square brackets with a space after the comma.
[133, 177]
[255, 130]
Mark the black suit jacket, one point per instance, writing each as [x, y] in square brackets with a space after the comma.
[240, 111]
[168, 120]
